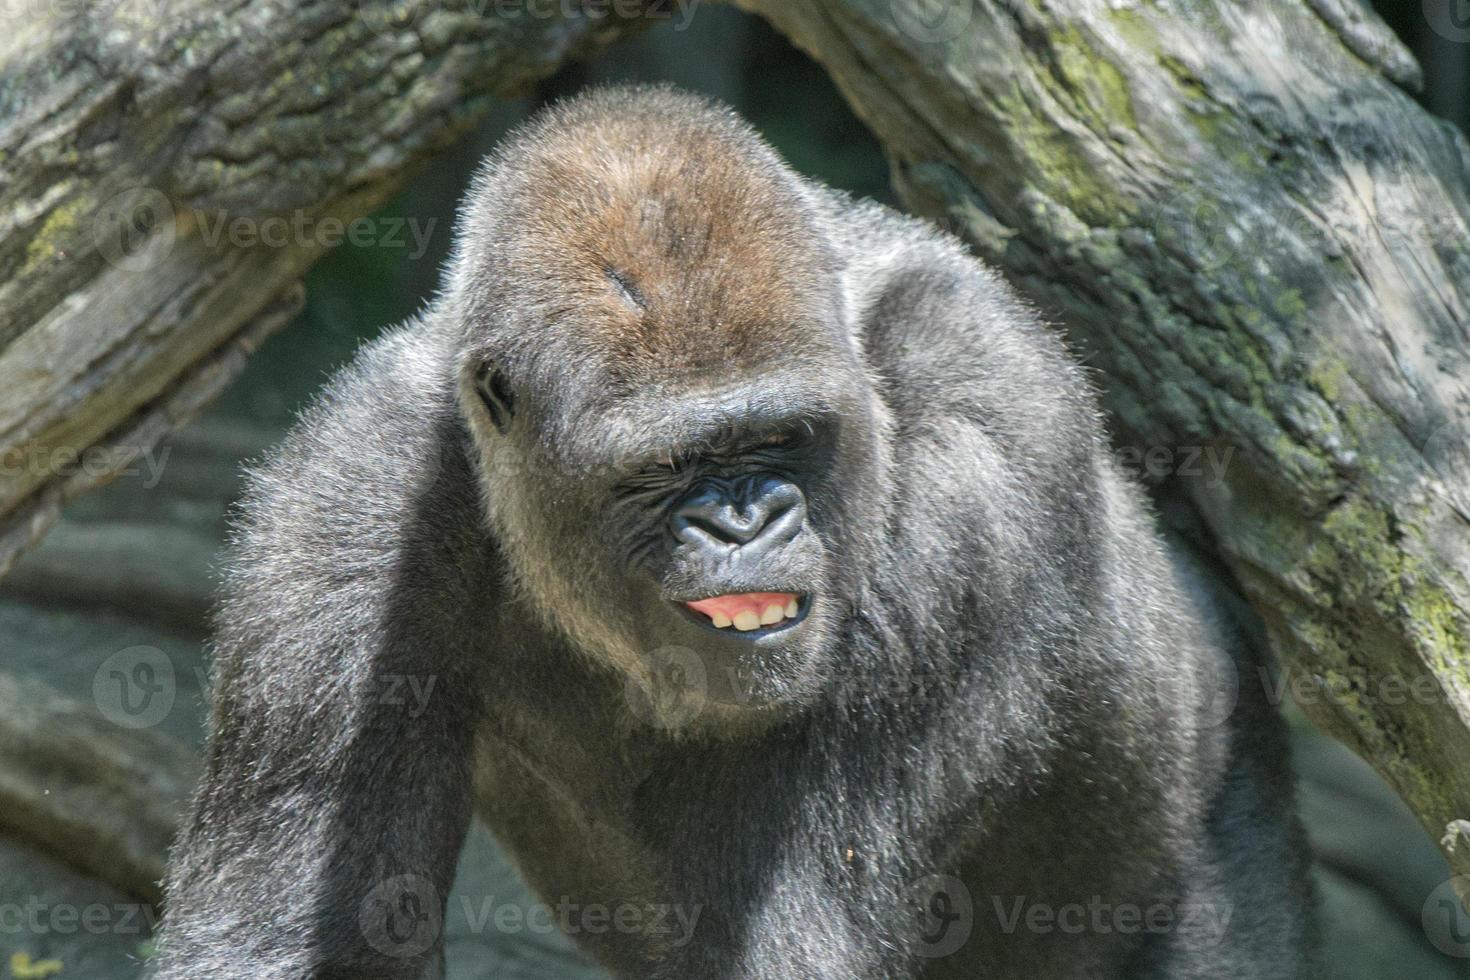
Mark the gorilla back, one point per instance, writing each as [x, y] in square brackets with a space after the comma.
[772, 596]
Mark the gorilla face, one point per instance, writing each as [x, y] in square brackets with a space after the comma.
[702, 531]
[684, 457]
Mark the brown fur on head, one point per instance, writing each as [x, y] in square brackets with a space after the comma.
[662, 234]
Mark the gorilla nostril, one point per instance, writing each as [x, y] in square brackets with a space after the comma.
[763, 510]
[697, 527]
[724, 524]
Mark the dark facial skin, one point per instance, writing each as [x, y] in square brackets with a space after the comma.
[727, 518]
[704, 530]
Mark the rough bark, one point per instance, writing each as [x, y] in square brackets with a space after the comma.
[1261, 242]
[103, 799]
[168, 169]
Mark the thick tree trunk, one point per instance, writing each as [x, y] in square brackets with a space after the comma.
[1261, 241]
[102, 798]
[169, 168]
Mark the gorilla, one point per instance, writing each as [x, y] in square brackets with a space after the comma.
[762, 566]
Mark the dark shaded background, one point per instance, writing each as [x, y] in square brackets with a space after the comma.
[134, 564]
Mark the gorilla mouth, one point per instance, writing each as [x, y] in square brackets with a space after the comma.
[748, 611]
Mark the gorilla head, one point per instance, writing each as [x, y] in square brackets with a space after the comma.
[666, 397]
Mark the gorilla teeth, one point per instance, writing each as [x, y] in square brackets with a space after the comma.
[748, 611]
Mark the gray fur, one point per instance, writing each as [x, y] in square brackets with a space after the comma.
[1003, 678]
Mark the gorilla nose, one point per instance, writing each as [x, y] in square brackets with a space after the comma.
[756, 512]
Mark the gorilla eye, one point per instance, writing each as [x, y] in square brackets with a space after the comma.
[495, 392]
[786, 439]
[674, 461]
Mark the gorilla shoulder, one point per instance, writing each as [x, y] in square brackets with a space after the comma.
[370, 491]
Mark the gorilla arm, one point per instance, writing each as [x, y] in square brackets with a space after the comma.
[336, 795]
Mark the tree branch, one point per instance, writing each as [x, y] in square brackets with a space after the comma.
[169, 167]
[105, 800]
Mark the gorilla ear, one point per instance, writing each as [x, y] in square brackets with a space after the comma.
[495, 392]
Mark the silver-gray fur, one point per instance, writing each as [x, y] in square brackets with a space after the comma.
[1002, 692]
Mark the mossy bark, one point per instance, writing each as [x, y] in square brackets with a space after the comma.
[132, 132]
[1260, 241]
